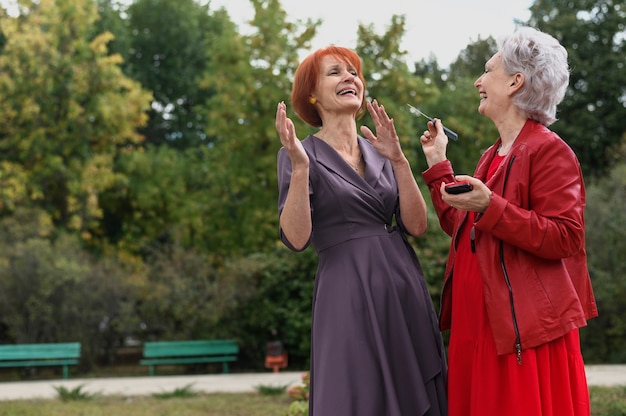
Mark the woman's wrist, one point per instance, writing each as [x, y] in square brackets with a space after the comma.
[400, 163]
[433, 160]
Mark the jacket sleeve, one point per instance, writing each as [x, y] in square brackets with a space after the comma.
[547, 218]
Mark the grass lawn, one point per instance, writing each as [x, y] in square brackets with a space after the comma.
[231, 404]
[606, 401]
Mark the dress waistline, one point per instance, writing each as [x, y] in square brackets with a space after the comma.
[351, 232]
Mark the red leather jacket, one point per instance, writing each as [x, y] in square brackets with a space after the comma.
[530, 241]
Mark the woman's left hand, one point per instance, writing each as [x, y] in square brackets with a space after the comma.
[385, 140]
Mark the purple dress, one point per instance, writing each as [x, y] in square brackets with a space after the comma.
[376, 348]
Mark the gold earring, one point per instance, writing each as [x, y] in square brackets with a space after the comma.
[312, 100]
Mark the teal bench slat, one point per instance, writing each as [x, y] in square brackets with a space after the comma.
[61, 354]
[189, 352]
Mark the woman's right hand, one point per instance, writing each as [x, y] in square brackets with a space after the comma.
[288, 138]
[434, 142]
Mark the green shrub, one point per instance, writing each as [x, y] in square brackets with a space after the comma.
[178, 393]
[271, 390]
[300, 395]
[75, 394]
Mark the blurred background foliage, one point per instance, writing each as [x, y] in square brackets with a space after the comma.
[138, 167]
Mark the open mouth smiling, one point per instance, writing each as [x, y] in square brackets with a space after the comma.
[348, 91]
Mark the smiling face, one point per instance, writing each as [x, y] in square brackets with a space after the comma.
[339, 89]
[495, 87]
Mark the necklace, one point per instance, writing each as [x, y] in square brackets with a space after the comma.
[358, 164]
[343, 154]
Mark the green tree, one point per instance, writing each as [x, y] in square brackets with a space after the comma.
[166, 195]
[66, 111]
[593, 111]
[603, 340]
[147, 203]
[168, 54]
[111, 18]
[470, 63]
[249, 76]
[430, 71]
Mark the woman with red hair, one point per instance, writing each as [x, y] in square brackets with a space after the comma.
[376, 349]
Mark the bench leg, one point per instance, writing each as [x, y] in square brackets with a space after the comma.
[66, 372]
[151, 370]
[225, 367]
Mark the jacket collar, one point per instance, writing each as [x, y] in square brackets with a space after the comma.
[522, 140]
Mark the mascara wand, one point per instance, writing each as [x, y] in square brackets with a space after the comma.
[451, 135]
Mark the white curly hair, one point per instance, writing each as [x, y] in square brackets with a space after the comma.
[543, 61]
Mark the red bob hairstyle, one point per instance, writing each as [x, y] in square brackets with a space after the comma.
[306, 78]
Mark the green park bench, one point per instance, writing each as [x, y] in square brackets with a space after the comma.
[189, 352]
[36, 355]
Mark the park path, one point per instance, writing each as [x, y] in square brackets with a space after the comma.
[597, 375]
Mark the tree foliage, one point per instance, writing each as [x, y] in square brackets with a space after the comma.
[53, 290]
[249, 76]
[66, 111]
[592, 113]
[603, 340]
[470, 63]
[169, 50]
[278, 297]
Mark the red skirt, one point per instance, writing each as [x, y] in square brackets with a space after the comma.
[551, 381]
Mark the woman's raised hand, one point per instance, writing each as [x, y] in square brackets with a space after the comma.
[434, 142]
[288, 138]
[385, 140]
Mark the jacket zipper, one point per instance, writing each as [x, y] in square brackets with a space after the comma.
[518, 340]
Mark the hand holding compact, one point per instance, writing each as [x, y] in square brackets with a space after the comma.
[467, 193]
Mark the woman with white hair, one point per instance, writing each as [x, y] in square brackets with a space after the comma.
[517, 286]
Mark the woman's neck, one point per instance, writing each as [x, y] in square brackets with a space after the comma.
[341, 136]
[508, 135]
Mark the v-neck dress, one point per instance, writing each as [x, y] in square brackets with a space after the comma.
[551, 380]
[376, 348]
